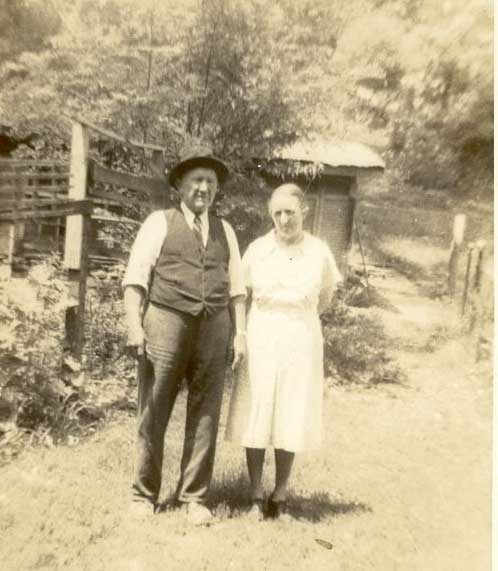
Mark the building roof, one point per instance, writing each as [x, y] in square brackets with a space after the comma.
[333, 154]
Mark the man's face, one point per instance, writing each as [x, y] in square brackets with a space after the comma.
[198, 187]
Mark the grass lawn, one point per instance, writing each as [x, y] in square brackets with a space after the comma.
[403, 480]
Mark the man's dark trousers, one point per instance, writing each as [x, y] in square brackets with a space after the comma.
[180, 346]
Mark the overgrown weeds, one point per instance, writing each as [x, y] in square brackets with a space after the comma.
[105, 328]
[356, 348]
[41, 398]
[37, 395]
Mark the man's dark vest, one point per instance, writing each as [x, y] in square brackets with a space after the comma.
[188, 277]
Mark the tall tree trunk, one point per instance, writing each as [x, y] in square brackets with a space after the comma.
[151, 39]
[149, 75]
[200, 124]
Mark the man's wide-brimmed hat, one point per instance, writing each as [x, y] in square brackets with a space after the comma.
[197, 155]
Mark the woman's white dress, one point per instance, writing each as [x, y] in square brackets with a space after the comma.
[277, 397]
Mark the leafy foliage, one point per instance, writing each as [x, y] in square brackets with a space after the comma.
[34, 382]
[356, 348]
[158, 72]
[26, 25]
[251, 76]
[428, 88]
[105, 329]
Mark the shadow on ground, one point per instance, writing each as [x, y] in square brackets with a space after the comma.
[229, 497]
[317, 506]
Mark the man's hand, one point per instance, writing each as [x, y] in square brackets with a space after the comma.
[134, 302]
[239, 349]
[135, 343]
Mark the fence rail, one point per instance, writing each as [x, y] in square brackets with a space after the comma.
[34, 176]
[57, 197]
[31, 207]
[62, 208]
[33, 218]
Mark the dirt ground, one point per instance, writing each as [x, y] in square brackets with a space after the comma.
[403, 480]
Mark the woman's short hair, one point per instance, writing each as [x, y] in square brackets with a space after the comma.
[289, 188]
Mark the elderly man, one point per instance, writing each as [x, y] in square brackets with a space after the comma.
[182, 284]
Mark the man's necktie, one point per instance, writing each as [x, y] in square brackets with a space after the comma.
[198, 230]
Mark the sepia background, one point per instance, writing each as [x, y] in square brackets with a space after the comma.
[382, 110]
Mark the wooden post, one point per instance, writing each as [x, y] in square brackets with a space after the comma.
[480, 245]
[18, 226]
[11, 246]
[76, 240]
[7, 235]
[77, 191]
[470, 254]
[455, 250]
[160, 197]
[79, 337]
[364, 264]
[483, 284]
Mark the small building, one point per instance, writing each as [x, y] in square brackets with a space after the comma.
[328, 172]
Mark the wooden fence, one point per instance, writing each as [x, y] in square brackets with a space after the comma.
[476, 301]
[35, 185]
[59, 206]
[39, 187]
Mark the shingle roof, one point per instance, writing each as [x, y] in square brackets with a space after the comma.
[333, 153]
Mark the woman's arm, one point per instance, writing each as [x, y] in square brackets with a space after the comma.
[238, 315]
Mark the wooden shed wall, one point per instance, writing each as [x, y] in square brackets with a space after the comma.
[333, 217]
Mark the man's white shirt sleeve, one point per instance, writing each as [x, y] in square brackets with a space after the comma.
[237, 286]
[145, 250]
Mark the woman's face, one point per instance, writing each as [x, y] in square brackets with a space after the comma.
[287, 217]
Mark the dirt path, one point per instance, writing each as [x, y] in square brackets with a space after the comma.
[403, 481]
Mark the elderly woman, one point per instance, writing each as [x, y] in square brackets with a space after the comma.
[277, 400]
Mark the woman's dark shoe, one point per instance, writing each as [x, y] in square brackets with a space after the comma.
[256, 509]
[277, 509]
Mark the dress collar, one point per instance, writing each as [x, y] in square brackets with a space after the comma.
[271, 244]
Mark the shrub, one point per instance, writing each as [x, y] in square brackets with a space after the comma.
[40, 396]
[105, 328]
[248, 215]
[355, 348]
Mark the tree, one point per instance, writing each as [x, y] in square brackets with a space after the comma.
[26, 25]
[233, 96]
[157, 73]
[411, 77]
